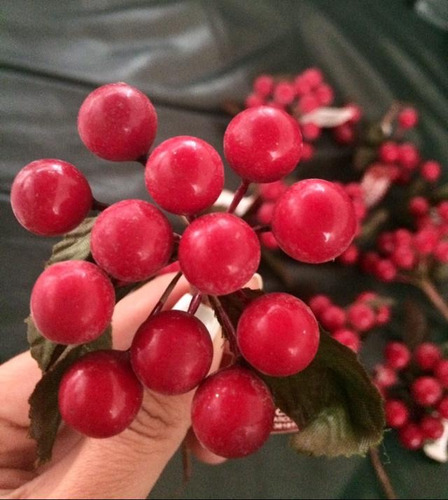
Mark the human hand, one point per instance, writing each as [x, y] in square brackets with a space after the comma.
[123, 466]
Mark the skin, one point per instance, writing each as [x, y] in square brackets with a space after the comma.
[123, 466]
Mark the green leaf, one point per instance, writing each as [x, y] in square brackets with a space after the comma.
[42, 350]
[44, 414]
[75, 245]
[333, 402]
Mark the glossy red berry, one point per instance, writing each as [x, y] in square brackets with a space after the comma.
[333, 317]
[50, 197]
[361, 316]
[100, 395]
[219, 253]
[410, 436]
[441, 372]
[314, 221]
[396, 412]
[117, 122]
[171, 352]
[397, 355]
[426, 390]
[72, 302]
[278, 334]
[431, 427]
[347, 337]
[184, 175]
[427, 355]
[232, 412]
[131, 240]
[263, 144]
[407, 118]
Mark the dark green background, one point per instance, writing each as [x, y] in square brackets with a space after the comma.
[189, 57]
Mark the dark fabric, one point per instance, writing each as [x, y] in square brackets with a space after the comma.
[189, 57]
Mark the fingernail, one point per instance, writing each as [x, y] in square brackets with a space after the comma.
[204, 314]
[258, 280]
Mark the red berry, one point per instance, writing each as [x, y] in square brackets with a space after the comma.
[427, 355]
[344, 134]
[99, 395]
[307, 151]
[397, 355]
[442, 407]
[397, 413]
[325, 95]
[271, 191]
[314, 221]
[440, 368]
[131, 240]
[408, 156]
[347, 337]
[171, 352]
[264, 213]
[278, 334]
[318, 303]
[431, 170]
[411, 437]
[418, 206]
[431, 427]
[407, 118]
[350, 255]
[219, 253]
[333, 318]
[308, 103]
[117, 122]
[232, 413]
[264, 85]
[383, 314]
[313, 76]
[301, 85]
[184, 175]
[388, 152]
[72, 302]
[426, 391]
[361, 316]
[385, 376]
[310, 131]
[253, 100]
[50, 197]
[262, 144]
[284, 93]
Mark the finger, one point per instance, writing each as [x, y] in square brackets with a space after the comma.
[191, 441]
[132, 310]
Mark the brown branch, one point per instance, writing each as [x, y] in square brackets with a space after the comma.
[382, 474]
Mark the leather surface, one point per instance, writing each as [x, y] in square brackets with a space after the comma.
[189, 57]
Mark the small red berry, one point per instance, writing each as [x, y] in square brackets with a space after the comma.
[397, 355]
[397, 413]
[426, 391]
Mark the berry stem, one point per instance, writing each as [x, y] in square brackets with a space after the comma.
[434, 296]
[226, 324]
[239, 193]
[195, 303]
[158, 307]
[382, 474]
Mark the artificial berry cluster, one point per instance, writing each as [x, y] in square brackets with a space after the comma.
[350, 324]
[414, 384]
[132, 240]
[302, 96]
[403, 254]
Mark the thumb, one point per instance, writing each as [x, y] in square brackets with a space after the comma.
[128, 465]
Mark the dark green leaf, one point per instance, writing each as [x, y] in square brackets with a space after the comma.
[42, 350]
[75, 245]
[44, 411]
[333, 402]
